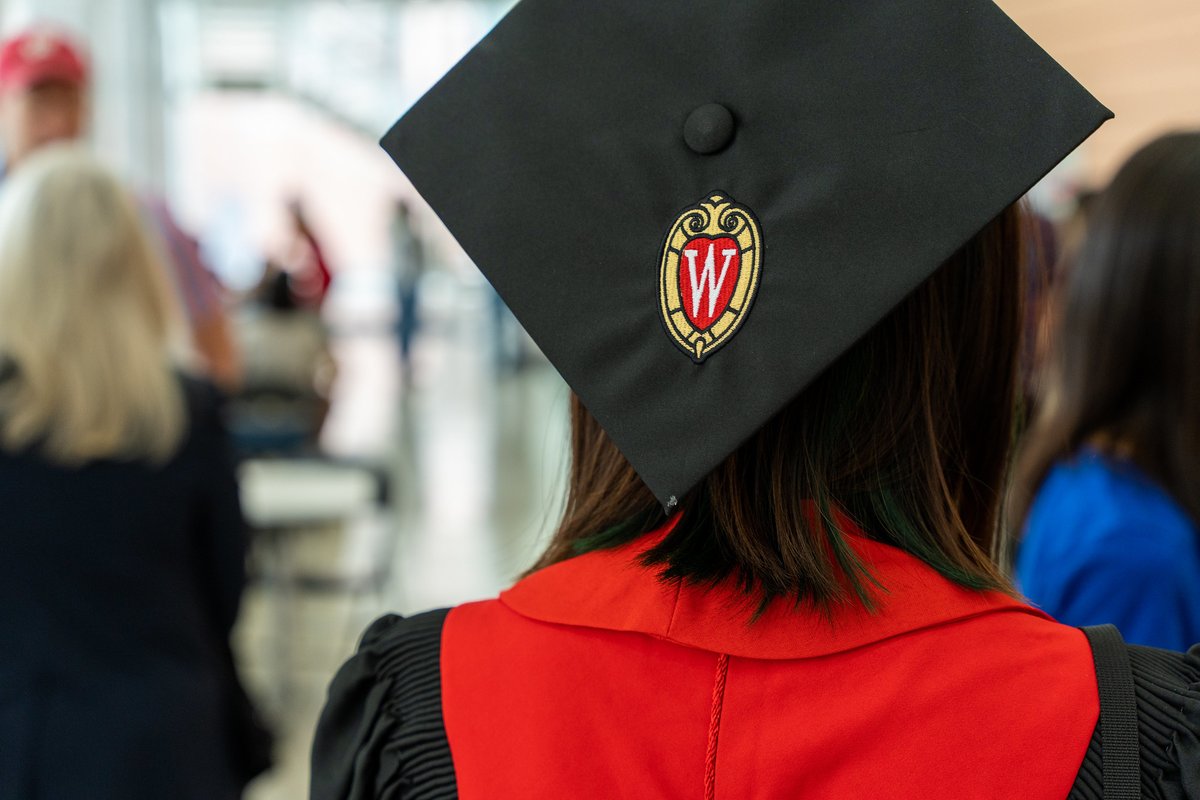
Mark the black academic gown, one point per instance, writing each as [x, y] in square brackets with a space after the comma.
[592, 678]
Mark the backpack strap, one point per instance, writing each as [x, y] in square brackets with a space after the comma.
[1120, 754]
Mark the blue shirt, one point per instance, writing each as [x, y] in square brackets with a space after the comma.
[1104, 543]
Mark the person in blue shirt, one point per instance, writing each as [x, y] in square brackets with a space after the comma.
[1105, 543]
[1108, 483]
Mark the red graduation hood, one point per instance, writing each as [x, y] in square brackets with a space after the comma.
[593, 678]
[611, 590]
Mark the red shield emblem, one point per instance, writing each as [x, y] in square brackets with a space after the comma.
[707, 277]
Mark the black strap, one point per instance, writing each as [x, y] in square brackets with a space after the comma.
[1121, 758]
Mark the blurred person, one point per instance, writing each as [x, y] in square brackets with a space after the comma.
[790, 315]
[1073, 230]
[408, 259]
[44, 96]
[306, 259]
[122, 544]
[288, 373]
[508, 339]
[1041, 267]
[1109, 481]
[1049, 262]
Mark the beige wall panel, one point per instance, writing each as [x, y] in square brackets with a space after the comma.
[1140, 57]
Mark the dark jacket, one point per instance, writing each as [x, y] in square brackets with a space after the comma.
[119, 584]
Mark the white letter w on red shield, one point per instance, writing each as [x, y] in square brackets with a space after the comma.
[708, 277]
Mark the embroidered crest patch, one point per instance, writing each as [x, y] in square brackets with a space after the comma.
[709, 274]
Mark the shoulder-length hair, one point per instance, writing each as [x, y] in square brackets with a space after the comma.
[908, 434]
[87, 319]
[1125, 363]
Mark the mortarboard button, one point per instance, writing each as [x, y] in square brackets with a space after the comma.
[709, 129]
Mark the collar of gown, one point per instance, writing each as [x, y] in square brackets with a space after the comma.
[611, 590]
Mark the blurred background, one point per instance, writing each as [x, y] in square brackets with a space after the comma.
[418, 462]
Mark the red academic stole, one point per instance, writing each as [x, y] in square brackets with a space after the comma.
[593, 679]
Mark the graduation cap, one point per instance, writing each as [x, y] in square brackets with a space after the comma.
[695, 206]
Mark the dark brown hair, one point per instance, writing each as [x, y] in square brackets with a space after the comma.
[908, 433]
[1125, 364]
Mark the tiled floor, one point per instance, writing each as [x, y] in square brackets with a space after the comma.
[476, 460]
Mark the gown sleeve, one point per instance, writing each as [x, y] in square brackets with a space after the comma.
[381, 735]
[1167, 686]
[1175, 718]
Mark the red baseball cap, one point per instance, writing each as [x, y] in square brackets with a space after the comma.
[39, 55]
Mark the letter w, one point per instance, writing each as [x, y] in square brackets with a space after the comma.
[708, 277]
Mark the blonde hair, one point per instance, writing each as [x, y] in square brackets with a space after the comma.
[88, 322]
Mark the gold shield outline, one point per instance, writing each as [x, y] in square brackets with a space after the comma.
[718, 215]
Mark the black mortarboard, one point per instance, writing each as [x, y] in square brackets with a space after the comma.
[695, 206]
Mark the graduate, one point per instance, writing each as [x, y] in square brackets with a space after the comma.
[774, 248]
